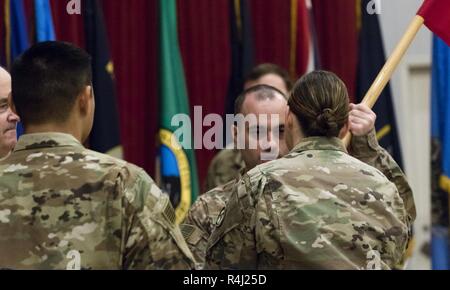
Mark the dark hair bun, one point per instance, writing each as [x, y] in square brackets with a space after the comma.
[326, 123]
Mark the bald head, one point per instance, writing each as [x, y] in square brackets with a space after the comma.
[258, 93]
[262, 101]
[5, 83]
[8, 120]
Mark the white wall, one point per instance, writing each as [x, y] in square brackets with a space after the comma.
[411, 91]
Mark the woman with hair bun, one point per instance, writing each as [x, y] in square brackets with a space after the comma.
[318, 207]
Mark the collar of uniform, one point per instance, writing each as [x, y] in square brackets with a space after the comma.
[320, 143]
[46, 140]
[7, 155]
[239, 161]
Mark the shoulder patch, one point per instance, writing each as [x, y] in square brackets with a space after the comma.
[187, 231]
[221, 217]
[169, 213]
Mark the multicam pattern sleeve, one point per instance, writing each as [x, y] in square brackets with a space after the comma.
[202, 219]
[65, 207]
[368, 150]
[152, 240]
[317, 208]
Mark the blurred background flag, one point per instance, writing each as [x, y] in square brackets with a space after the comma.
[105, 136]
[303, 48]
[3, 21]
[371, 60]
[18, 29]
[436, 14]
[45, 29]
[440, 134]
[242, 53]
[17, 35]
[178, 168]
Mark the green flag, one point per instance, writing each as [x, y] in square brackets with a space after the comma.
[177, 165]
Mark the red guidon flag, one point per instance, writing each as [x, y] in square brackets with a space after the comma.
[437, 17]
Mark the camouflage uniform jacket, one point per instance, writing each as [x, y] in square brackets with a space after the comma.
[368, 150]
[316, 208]
[225, 167]
[65, 207]
[203, 215]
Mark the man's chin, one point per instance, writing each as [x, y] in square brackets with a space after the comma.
[10, 136]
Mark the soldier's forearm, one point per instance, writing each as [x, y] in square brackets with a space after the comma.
[368, 150]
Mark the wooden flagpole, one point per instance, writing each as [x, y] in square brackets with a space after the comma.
[389, 68]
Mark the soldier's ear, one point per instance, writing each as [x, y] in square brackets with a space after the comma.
[289, 119]
[85, 100]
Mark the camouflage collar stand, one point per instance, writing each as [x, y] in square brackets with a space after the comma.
[239, 162]
[320, 143]
[46, 140]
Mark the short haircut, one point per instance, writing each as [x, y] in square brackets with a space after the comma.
[263, 92]
[269, 68]
[47, 79]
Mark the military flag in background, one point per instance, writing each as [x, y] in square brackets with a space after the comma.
[19, 34]
[436, 15]
[178, 168]
[3, 21]
[303, 58]
[242, 53]
[105, 136]
[440, 134]
[17, 37]
[371, 60]
[45, 30]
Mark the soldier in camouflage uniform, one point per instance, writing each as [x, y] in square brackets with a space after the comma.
[224, 167]
[317, 207]
[63, 206]
[203, 215]
[228, 163]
